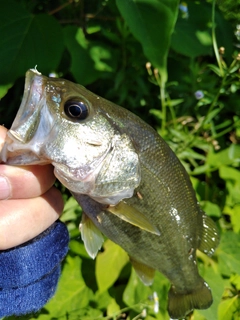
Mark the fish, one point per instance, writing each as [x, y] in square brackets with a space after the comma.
[131, 186]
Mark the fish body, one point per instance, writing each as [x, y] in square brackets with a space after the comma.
[129, 183]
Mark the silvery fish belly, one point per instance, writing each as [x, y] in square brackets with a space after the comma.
[129, 183]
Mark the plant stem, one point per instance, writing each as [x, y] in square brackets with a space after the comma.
[215, 46]
[164, 106]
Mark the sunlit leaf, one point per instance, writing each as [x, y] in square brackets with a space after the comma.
[189, 153]
[229, 253]
[71, 210]
[235, 280]
[187, 38]
[234, 212]
[211, 209]
[109, 265]
[227, 308]
[72, 294]
[161, 286]
[112, 307]
[216, 283]
[152, 23]
[4, 89]
[89, 60]
[78, 247]
[136, 292]
[218, 159]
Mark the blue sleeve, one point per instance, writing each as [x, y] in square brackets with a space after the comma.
[29, 273]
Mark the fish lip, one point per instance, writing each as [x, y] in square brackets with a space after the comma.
[18, 156]
[16, 136]
[22, 128]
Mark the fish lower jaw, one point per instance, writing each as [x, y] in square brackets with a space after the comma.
[87, 186]
[72, 181]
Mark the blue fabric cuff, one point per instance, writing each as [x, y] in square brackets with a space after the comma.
[29, 273]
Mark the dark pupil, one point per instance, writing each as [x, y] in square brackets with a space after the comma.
[76, 109]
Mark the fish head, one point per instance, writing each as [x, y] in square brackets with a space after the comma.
[62, 123]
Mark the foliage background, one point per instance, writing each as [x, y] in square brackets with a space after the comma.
[189, 92]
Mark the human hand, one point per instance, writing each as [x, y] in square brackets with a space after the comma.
[29, 203]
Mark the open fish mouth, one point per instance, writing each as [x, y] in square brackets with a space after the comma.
[16, 152]
[31, 126]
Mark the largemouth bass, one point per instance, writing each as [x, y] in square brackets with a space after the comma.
[129, 183]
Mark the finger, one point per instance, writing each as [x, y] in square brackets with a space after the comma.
[22, 220]
[3, 133]
[25, 181]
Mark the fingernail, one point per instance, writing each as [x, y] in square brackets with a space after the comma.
[5, 189]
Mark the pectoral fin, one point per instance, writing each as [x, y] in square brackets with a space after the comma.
[145, 273]
[91, 236]
[133, 216]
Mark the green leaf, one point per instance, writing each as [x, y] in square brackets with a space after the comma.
[72, 295]
[109, 265]
[201, 169]
[215, 69]
[135, 292]
[89, 60]
[4, 89]
[71, 210]
[103, 299]
[189, 153]
[235, 280]
[78, 247]
[228, 156]
[232, 178]
[152, 23]
[176, 102]
[157, 113]
[229, 253]
[234, 212]
[228, 173]
[192, 36]
[82, 66]
[216, 283]
[161, 286]
[211, 115]
[26, 41]
[234, 152]
[112, 307]
[227, 308]
[211, 209]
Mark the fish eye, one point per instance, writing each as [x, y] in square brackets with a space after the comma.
[75, 109]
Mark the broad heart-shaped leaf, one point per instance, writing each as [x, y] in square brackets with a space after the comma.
[72, 295]
[185, 39]
[192, 34]
[152, 23]
[109, 264]
[27, 40]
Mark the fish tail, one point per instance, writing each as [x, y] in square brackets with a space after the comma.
[181, 304]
